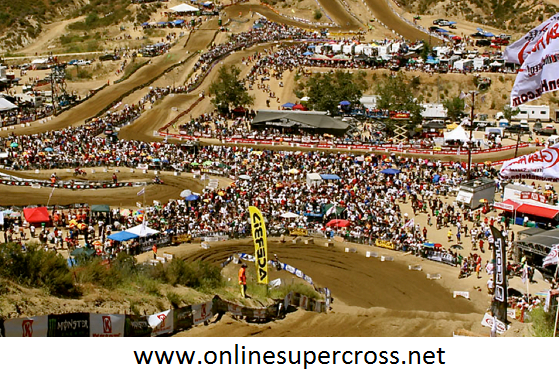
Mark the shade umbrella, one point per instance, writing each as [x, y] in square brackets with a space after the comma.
[49, 149]
[195, 164]
[309, 53]
[456, 247]
[185, 193]
[245, 177]
[15, 214]
[14, 145]
[97, 243]
[192, 197]
[438, 245]
[390, 171]
[338, 223]
[125, 212]
[345, 103]
[207, 163]
[289, 215]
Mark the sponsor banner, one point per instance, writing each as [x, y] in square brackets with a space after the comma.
[69, 325]
[499, 304]
[298, 232]
[260, 244]
[26, 327]
[463, 294]
[552, 257]
[183, 318]
[106, 325]
[541, 164]
[161, 323]
[304, 302]
[385, 244]
[202, 312]
[540, 70]
[488, 321]
[235, 309]
[520, 49]
[137, 326]
[442, 257]
[533, 196]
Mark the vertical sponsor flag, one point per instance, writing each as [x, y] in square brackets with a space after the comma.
[499, 305]
[260, 244]
[520, 49]
[331, 210]
[552, 257]
[539, 72]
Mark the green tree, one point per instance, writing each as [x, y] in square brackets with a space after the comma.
[228, 90]
[326, 91]
[509, 112]
[454, 108]
[396, 94]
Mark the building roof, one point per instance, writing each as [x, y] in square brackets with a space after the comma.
[303, 119]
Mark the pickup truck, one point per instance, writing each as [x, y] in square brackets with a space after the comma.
[548, 130]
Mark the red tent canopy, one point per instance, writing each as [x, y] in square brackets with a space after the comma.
[36, 215]
[299, 107]
[338, 223]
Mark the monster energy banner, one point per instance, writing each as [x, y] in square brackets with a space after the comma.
[499, 305]
[137, 326]
[69, 325]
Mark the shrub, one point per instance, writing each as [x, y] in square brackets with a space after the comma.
[542, 322]
[317, 14]
[36, 268]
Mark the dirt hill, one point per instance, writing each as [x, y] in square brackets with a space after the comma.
[513, 15]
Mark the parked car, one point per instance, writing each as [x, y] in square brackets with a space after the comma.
[483, 43]
[83, 62]
[73, 62]
[516, 128]
[109, 57]
[438, 21]
[548, 130]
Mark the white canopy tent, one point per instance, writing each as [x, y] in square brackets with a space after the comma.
[142, 230]
[289, 215]
[183, 8]
[457, 134]
[6, 105]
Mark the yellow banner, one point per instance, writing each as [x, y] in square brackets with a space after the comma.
[385, 244]
[260, 244]
[298, 232]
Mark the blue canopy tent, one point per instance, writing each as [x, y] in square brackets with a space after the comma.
[442, 31]
[329, 177]
[308, 53]
[345, 103]
[178, 22]
[288, 105]
[390, 171]
[123, 236]
[192, 197]
[145, 24]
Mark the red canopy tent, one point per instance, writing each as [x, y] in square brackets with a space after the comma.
[338, 223]
[299, 107]
[36, 215]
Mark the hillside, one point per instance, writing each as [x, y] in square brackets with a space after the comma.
[23, 20]
[513, 15]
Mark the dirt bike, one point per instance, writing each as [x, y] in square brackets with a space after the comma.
[80, 173]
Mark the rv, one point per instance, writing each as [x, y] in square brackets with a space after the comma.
[533, 112]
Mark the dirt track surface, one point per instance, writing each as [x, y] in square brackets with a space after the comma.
[340, 15]
[383, 13]
[125, 196]
[371, 298]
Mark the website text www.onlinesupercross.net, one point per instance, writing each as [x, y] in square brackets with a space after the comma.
[239, 355]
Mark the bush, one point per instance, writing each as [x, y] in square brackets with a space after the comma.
[317, 14]
[198, 275]
[37, 268]
[542, 322]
